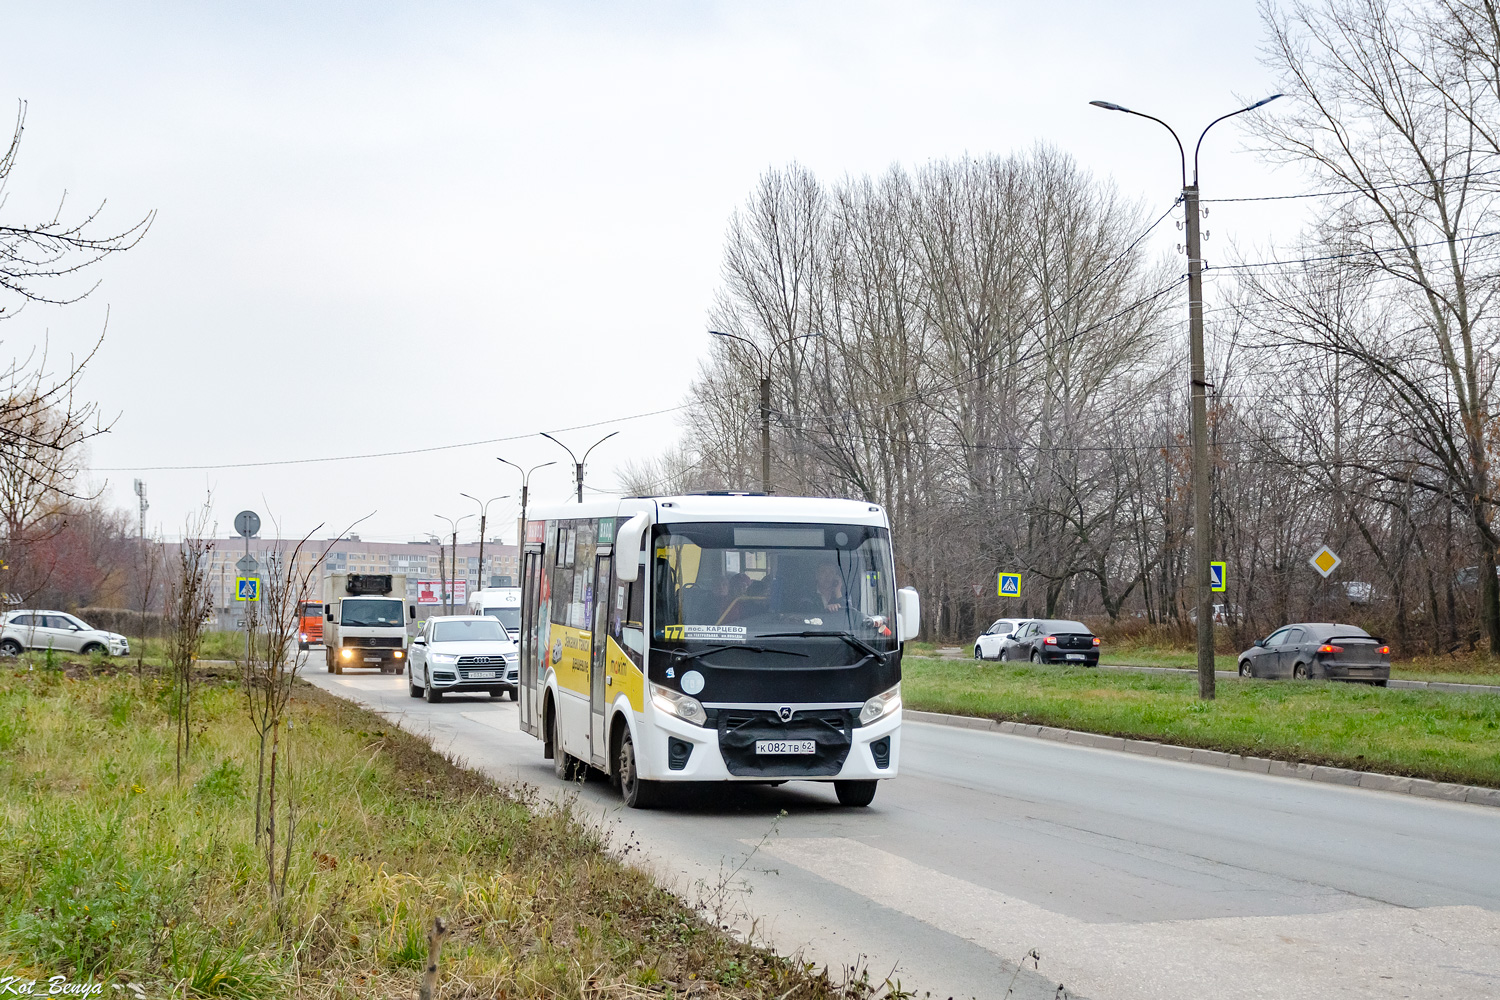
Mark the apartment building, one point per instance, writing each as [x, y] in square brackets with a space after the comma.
[418, 561]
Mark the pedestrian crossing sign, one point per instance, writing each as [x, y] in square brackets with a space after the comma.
[1010, 585]
[246, 588]
[1216, 575]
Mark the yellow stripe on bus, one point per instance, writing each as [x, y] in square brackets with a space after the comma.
[626, 675]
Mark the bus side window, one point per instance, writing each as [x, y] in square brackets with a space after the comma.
[627, 614]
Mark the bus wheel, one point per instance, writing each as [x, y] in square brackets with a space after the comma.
[565, 765]
[328, 659]
[636, 791]
[854, 793]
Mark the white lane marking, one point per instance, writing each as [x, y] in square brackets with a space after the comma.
[1376, 950]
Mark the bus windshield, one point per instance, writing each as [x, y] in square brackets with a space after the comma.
[732, 581]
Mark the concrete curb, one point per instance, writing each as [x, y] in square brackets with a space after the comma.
[1215, 758]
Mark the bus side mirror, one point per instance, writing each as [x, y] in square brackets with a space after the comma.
[628, 547]
[328, 611]
[411, 612]
[908, 614]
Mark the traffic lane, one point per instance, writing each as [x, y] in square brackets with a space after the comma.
[1100, 835]
[976, 847]
[709, 847]
[1209, 841]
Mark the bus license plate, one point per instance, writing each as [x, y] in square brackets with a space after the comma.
[786, 746]
[372, 659]
[481, 675]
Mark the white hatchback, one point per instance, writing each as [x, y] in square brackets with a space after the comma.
[59, 631]
[462, 653]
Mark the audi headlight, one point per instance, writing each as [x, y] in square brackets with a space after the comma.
[685, 707]
[880, 706]
[447, 659]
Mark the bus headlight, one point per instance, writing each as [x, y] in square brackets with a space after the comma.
[880, 706]
[684, 707]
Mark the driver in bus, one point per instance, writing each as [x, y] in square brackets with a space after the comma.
[830, 587]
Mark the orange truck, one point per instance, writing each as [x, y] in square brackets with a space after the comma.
[310, 627]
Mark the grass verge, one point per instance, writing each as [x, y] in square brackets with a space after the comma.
[112, 870]
[1442, 736]
[1472, 669]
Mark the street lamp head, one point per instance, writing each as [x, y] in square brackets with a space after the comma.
[1107, 106]
[1267, 100]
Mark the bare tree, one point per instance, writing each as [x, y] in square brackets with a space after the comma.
[1393, 114]
[270, 673]
[189, 603]
[43, 426]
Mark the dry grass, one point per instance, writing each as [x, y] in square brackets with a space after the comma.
[111, 870]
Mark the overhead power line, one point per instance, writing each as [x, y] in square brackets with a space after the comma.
[1372, 251]
[383, 454]
[1393, 186]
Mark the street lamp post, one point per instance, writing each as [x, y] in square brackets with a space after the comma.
[765, 398]
[1198, 375]
[578, 462]
[453, 559]
[484, 508]
[525, 484]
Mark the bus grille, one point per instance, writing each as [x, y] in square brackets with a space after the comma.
[375, 642]
[831, 729]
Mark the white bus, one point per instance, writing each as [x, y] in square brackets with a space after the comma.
[721, 637]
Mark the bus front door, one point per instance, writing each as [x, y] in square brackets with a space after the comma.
[598, 684]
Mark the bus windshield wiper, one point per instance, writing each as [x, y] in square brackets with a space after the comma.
[849, 637]
[681, 656]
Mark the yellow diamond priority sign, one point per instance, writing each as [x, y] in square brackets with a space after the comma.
[1325, 561]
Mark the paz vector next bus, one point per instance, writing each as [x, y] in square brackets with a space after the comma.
[719, 637]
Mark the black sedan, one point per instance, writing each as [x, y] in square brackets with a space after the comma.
[1052, 640]
[1323, 650]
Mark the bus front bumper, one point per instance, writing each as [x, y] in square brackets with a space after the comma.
[873, 751]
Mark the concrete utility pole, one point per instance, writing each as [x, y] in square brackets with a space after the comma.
[765, 434]
[525, 484]
[1198, 378]
[452, 586]
[484, 508]
[765, 397]
[578, 462]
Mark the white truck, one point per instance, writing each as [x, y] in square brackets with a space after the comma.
[503, 603]
[364, 621]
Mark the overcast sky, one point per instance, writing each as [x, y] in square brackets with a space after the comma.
[387, 226]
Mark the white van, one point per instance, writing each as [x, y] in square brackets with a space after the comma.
[503, 603]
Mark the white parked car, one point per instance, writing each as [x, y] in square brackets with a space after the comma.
[987, 646]
[22, 630]
[465, 653]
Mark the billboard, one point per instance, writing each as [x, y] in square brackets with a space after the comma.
[431, 592]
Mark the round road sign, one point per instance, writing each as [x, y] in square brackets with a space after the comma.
[247, 523]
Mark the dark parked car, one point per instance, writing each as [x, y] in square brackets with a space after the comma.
[1052, 640]
[1322, 650]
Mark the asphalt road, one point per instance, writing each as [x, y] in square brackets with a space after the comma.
[1131, 877]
